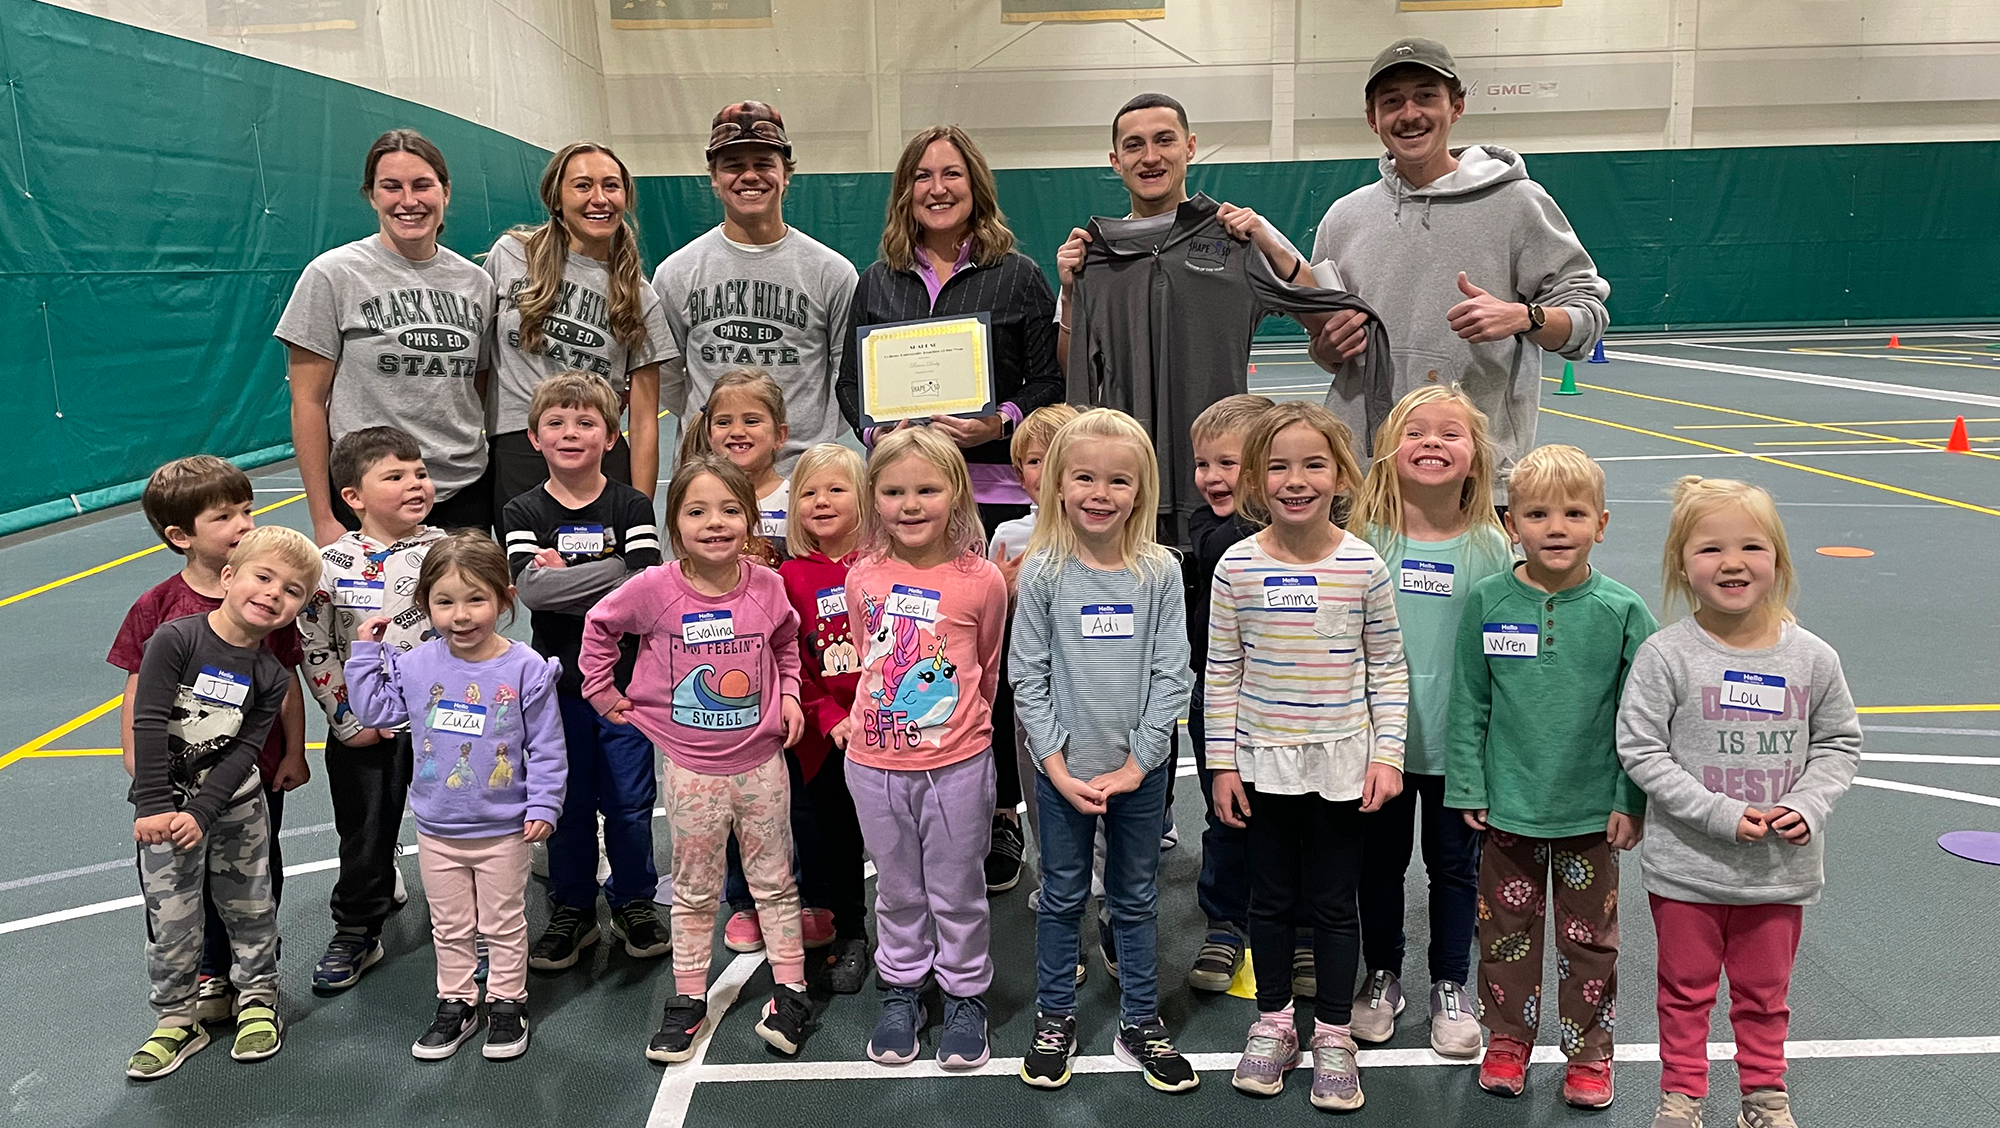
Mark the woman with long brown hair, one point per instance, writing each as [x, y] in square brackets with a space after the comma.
[573, 298]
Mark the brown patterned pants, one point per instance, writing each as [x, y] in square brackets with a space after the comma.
[1514, 886]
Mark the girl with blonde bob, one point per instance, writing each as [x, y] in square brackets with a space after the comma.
[1697, 499]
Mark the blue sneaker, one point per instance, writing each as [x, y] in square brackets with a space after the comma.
[479, 969]
[895, 1039]
[347, 956]
[963, 1043]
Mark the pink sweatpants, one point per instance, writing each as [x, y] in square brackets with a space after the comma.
[1755, 946]
[477, 886]
[701, 810]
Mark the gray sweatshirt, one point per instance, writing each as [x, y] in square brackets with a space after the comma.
[1709, 731]
[1401, 249]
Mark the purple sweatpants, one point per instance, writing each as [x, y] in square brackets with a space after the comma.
[928, 833]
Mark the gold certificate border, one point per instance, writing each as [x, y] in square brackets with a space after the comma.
[962, 326]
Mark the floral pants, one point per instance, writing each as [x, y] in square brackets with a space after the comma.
[1514, 891]
[702, 810]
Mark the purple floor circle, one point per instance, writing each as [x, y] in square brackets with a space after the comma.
[1974, 845]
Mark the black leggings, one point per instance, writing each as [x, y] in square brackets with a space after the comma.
[1305, 849]
[1006, 774]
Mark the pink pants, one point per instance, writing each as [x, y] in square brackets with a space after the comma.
[702, 810]
[1755, 945]
[477, 886]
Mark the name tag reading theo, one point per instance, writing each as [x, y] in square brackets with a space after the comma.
[579, 540]
[707, 626]
[224, 687]
[362, 595]
[1511, 640]
[459, 717]
[1291, 593]
[1427, 577]
[917, 603]
[831, 601]
[1107, 620]
[1758, 693]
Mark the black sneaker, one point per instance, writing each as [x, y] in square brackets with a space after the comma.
[786, 1018]
[570, 931]
[684, 1024]
[1147, 1047]
[456, 1021]
[847, 965]
[1215, 966]
[1107, 946]
[506, 1029]
[348, 955]
[639, 925]
[1047, 1063]
[1003, 859]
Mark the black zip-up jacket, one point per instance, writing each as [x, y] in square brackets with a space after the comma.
[1012, 291]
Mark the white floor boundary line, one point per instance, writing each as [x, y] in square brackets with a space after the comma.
[1871, 333]
[670, 1104]
[1927, 758]
[1920, 789]
[1775, 454]
[1845, 382]
[1969, 350]
[1926, 730]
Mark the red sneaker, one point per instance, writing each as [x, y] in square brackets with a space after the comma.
[816, 927]
[1504, 1070]
[1587, 1084]
[743, 932]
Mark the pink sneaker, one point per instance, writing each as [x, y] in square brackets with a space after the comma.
[816, 926]
[743, 933]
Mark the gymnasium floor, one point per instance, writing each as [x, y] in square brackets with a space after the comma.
[1893, 1012]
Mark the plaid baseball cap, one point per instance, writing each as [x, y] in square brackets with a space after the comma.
[1428, 53]
[747, 123]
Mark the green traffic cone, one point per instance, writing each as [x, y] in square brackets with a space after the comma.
[1569, 380]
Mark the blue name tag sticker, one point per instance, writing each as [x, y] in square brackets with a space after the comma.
[830, 602]
[579, 540]
[707, 626]
[1756, 693]
[906, 602]
[1106, 620]
[1291, 593]
[1427, 577]
[458, 717]
[770, 522]
[1510, 640]
[361, 595]
[224, 687]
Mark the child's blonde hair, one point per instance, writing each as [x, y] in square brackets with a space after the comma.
[1055, 536]
[1250, 484]
[1230, 415]
[756, 381]
[820, 459]
[576, 389]
[1038, 429]
[1695, 498]
[966, 533]
[293, 550]
[1555, 472]
[1378, 507]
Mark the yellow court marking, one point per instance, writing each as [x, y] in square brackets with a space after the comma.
[1776, 461]
[126, 559]
[43, 752]
[1992, 708]
[1837, 423]
[60, 731]
[1857, 442]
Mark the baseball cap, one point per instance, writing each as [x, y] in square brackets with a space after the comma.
[1414, 52]
[747, 123]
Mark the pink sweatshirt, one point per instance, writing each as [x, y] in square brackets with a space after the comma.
[930, 661]
[711, 670]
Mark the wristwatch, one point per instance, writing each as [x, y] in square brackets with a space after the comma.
[1537, 317]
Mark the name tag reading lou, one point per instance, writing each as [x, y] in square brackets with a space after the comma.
[458, 717]
[1291, 593]
[1758, 693]
[770, 522]
[579, 540]
[362, 595]
[1427, 577]
[224, 687]
[917, 603]
[1107, 620]
[1511, 640]
[831, 601]
[707, 626]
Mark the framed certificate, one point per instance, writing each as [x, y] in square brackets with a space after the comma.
[917, 369]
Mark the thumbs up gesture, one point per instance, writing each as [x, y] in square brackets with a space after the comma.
[1482, 318]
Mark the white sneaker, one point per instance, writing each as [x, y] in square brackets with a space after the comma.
[538, 859]
[402, 891]
[1376, 1007]
[1454, 1030]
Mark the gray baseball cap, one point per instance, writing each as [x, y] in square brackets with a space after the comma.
[1412, 52]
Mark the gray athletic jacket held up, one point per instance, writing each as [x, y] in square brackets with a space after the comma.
[1162, 326]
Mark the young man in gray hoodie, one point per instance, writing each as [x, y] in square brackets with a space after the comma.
[1472, 266]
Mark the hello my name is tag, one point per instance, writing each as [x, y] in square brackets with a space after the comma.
[224, 687]
[1511, 640]
[830, 602]
[1107, 620]
[906, 602]
[1427, 577]
[771, 523]
[361, 595]
[458, 717]
[1758, 693]
[579, 540]
[707, 626]
[1291, 593]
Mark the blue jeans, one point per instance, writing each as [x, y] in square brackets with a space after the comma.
[1223, 889]
[1131, 894]
[610, 771]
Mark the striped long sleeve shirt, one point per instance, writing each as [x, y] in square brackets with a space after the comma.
[1306, 682]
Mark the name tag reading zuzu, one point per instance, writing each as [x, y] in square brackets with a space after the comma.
[1511, 640]
[579, 540]
[1291, 593]
[830, 602]
[459, 717]
[1758, 693]
[1107, 620]
[906, 602]
[224, 687]
[1427, 577]
[707, 626]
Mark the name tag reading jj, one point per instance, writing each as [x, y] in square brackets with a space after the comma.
[224, 687]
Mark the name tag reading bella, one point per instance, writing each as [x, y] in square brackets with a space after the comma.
[1758, 693]
[1107, 620]
[771, 523]
[707, 626]
[917, 603]
[459, 717]
[579, 540]
[224, 687]
[362, 595]
[1427, 577]
[1511, 640]
[831, 601]
[1291, 593]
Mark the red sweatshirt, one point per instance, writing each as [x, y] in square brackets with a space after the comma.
[817, 587]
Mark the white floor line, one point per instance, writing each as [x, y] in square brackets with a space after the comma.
[1844, 382]
[1881, 333]
[670, 1104]
[1927, 758]
[1926, 730]
[1920, 789]
[1775, 454]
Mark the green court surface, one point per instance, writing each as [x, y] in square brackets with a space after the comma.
[1893, 1020]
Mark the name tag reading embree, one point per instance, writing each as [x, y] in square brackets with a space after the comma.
[1427, 577]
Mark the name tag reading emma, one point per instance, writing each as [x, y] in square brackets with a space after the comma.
[579, 540]
[1107, 620]
[707, 626]
[1291, 593]
[771, 523]
[362, 595]
[831, 602]
[1758, 693]
[1511, 640]
[1427, 577]
[224, 687]
[458, 717]
[917, 603]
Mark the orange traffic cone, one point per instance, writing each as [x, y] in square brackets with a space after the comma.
[1253, 370]
[1894, 343]
[1958, 443]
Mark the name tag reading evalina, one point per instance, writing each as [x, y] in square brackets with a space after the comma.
[703, 627]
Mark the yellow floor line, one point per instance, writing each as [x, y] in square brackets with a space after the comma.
[60, 731]
[1835, 423]
[126, 559]
[1860, 442]
[1990, 708]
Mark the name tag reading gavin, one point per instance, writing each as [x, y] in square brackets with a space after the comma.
[831, 602]
[1291, 593]
[224, 687]
[707, 626]
[1758, 693]
[579, 540]
[1511, 640]
[770, 522]
[362, 595]
[917, 603]
[1427, 577]
[1107, 620]
[459, 717]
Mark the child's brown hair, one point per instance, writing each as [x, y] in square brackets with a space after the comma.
[186, 488]
[735, 481]
[1038, 430]
[1230, 415]
[357, 452]
[576, 389]
[756, 381]
[1257, 457]
[473, 555]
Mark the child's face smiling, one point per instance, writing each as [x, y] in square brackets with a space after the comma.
[1301, 478]
[741, 428]
[712, 522]
[463, 611]
[913, 500]
[1031, 471]
[573, 439]
[1729, 562]
[264, 595]
[1099, 487]
[1217, 462]
[396, 493]
[828, 506]
[1435, 448]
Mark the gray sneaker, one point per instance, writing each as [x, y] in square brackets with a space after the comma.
[1376, 1006]
[1336, 1077]
[1677, 1110]
[1767, 1108]
[1454, 1030]
[1273, 1049]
